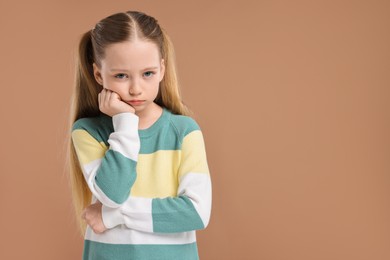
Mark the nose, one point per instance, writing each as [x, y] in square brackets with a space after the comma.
[135, 89]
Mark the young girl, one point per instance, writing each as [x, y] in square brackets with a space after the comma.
[139, 172]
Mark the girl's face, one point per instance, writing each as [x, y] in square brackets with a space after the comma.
[133, 70]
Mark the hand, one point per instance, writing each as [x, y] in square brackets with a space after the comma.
[111, 104]
[93, 216]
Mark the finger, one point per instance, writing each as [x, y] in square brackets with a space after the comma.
[114, 96]
[107, 97]
[99, 230]
[102, 96]
[94, 229]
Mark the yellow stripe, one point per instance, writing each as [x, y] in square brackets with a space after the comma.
[193, 154]
[87, 148]
[157, 174]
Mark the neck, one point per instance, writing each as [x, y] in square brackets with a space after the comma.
[148, 116]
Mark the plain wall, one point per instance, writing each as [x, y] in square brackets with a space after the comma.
[292, 98]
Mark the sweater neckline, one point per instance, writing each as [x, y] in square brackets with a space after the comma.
[156, 126]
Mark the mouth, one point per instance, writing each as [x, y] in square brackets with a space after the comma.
[135, 102]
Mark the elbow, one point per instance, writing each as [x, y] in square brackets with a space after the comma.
[203, 209]
[202, 206]
[206, 218]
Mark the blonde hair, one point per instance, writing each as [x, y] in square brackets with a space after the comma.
[116, 28]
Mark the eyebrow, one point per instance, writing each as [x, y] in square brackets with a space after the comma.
[148, 68]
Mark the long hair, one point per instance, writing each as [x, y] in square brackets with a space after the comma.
[119, 27]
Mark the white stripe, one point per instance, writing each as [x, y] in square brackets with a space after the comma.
[89, 171]
[197, 187]
[138, 213]
[123, 235]
[125, 138]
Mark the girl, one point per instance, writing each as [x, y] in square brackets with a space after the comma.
[136, 155]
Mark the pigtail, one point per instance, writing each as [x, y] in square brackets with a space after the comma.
[84, 104]
[169, 94]
[87, 89]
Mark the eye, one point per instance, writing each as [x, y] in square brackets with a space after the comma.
[148, 74]
[120, 76]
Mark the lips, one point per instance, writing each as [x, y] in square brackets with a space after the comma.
[135, 102]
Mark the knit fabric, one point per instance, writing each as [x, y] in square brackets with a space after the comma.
[154, 185]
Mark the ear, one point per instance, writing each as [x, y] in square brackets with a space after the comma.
[97, 74]
[162, 69]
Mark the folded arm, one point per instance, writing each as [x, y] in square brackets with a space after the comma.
[189, 210]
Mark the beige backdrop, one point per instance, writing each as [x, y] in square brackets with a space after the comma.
[293, 100]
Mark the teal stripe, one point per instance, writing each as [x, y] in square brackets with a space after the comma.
[101, 251]
[99, 127]
[165, 134]
[170, 136]
[166, 140]
[171, 215]
[184, 124]
[116, 175]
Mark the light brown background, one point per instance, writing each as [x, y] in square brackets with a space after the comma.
[293, 100]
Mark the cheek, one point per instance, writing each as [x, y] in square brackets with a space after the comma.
[116, 87]
[156, 86]
[112, 85]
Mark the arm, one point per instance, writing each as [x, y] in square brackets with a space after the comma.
[189, 210]
[110, 172]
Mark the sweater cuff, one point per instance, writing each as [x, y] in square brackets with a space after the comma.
[124, 122]
[112, 217]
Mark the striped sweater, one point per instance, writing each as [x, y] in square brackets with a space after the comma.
[154, 185]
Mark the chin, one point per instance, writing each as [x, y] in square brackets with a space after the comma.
[140, 108]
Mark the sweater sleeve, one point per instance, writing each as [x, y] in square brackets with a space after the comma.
[109, 172]
[189, 210]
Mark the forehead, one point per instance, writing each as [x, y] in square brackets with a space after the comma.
[130, 55]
